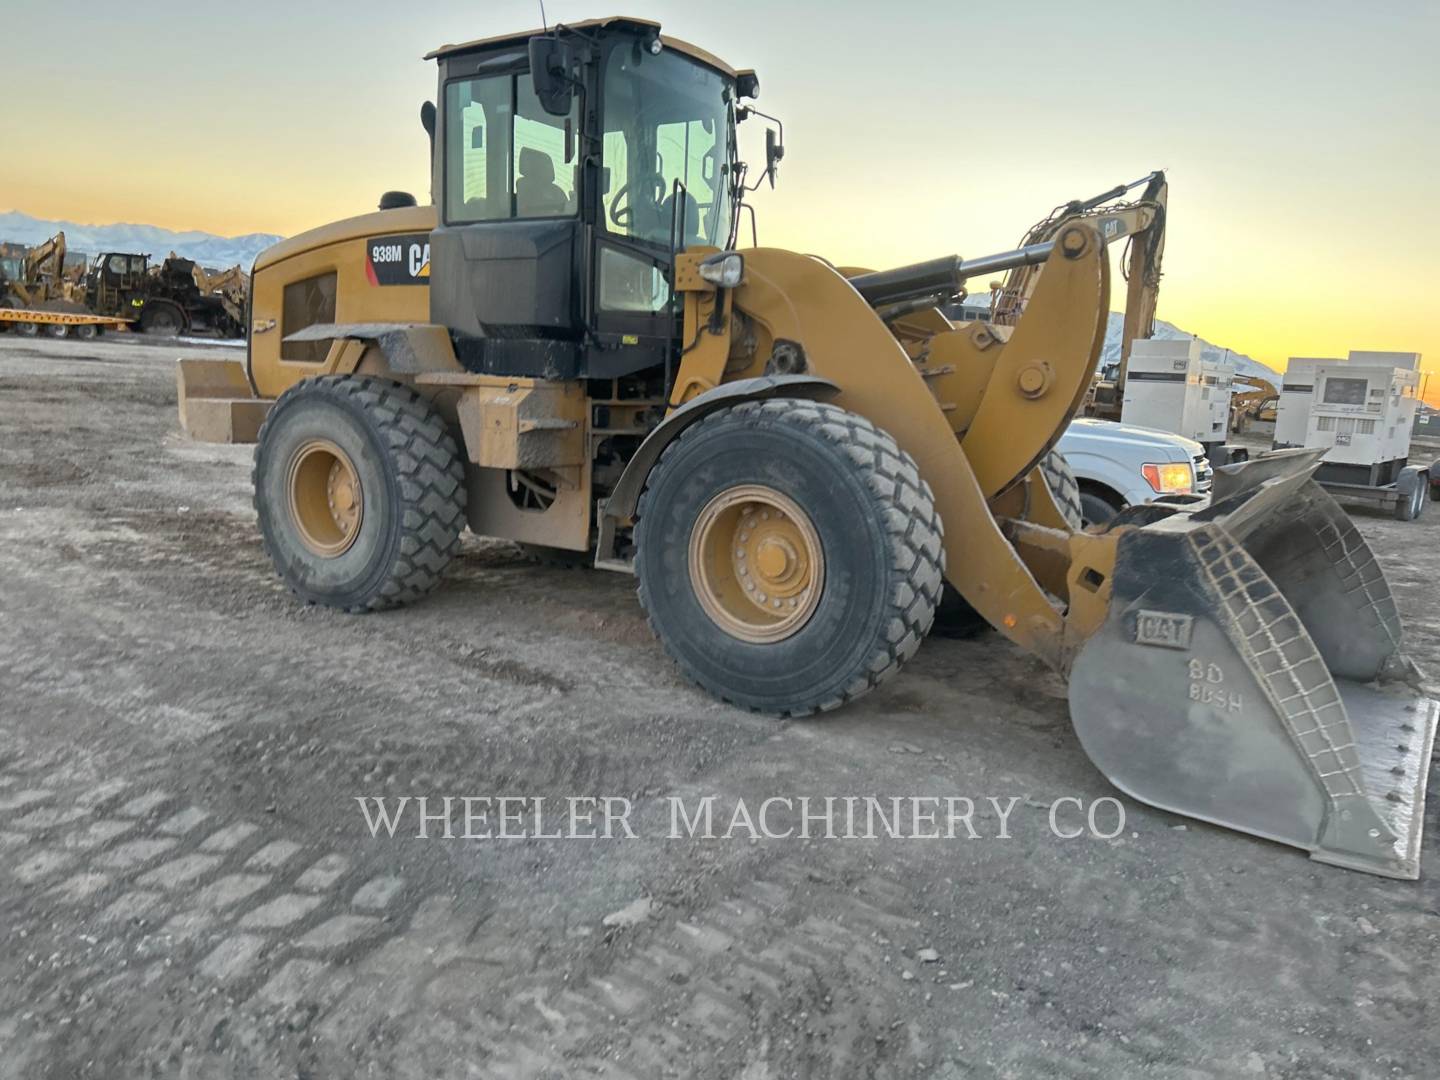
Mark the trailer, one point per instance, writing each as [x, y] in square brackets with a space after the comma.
[58, 324]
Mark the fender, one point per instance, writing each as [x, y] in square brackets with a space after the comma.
[409, 348]
[620, 506]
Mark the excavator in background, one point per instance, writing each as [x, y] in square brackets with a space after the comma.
[231, 287]
[1256, 404]
[36, 279]
[1140, 223]
[794, 457]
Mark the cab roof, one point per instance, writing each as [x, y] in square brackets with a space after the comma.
[694, 51]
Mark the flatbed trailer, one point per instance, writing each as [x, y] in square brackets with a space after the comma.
[59, 323]
[1405, 497]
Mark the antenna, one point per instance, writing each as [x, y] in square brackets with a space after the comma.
[544, 28]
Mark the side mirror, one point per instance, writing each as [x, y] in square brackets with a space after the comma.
[774, 153]
[550, 61]
[427, 121]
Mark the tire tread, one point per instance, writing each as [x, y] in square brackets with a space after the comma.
[430, 482]
[905, 504]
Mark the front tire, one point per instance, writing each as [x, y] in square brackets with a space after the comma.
[360, 492]
[162, 320]
[955, 617]
[1064, 488]
[789, 555]
[1096, 509]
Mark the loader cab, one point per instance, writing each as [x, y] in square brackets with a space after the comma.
[113, 279]
[563, 199]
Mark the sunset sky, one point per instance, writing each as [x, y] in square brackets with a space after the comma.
[1302, 139]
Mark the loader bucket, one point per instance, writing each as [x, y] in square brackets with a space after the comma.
[216, 402]
[1249, 673]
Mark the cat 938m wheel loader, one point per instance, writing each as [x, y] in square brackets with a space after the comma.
[794, 458]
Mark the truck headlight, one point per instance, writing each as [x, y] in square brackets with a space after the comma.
[1169, 478]
[725, 269]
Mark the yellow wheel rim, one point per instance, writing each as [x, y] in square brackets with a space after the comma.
[327, 503]
[756, 563]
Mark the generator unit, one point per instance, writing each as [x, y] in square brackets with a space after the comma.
[1218, 379]
[1292, 409]
[1361, 411]
[1168, 386]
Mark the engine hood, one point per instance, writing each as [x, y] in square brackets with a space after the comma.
[1109, 431]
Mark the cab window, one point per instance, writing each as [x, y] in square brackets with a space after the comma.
[505, 157]
[666, 123]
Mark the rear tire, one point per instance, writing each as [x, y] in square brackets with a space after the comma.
[57, 330]
[845, 537]
[87, 331]
[27, 329]
[379, 452]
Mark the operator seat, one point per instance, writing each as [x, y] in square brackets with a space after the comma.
[536, 193]
[693, 233]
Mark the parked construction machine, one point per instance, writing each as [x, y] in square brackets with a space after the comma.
[175, 297]
[568, 350]
[1140, 223]
[34, 279]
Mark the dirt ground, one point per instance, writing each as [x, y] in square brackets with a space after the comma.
[188, 887]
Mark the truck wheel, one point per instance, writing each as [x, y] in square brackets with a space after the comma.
[789, 555]
[162, 320]
[1096, 509]
[86, 331]
[360, 492]
[27, 329]
[57, 330]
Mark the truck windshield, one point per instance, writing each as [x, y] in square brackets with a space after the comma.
[10, 268]
[667, 119]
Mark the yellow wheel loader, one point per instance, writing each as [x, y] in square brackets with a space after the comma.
[793, 457]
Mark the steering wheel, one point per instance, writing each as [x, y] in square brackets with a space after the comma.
[650, 184]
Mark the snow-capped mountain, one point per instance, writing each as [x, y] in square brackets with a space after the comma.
[217, 252]
[1165, 331]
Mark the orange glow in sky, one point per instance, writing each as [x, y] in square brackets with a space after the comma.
[1299, 137]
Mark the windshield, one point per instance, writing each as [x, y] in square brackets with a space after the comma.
[10, 268]
[667, 119]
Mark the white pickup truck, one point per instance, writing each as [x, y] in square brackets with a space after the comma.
[1119, 465]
